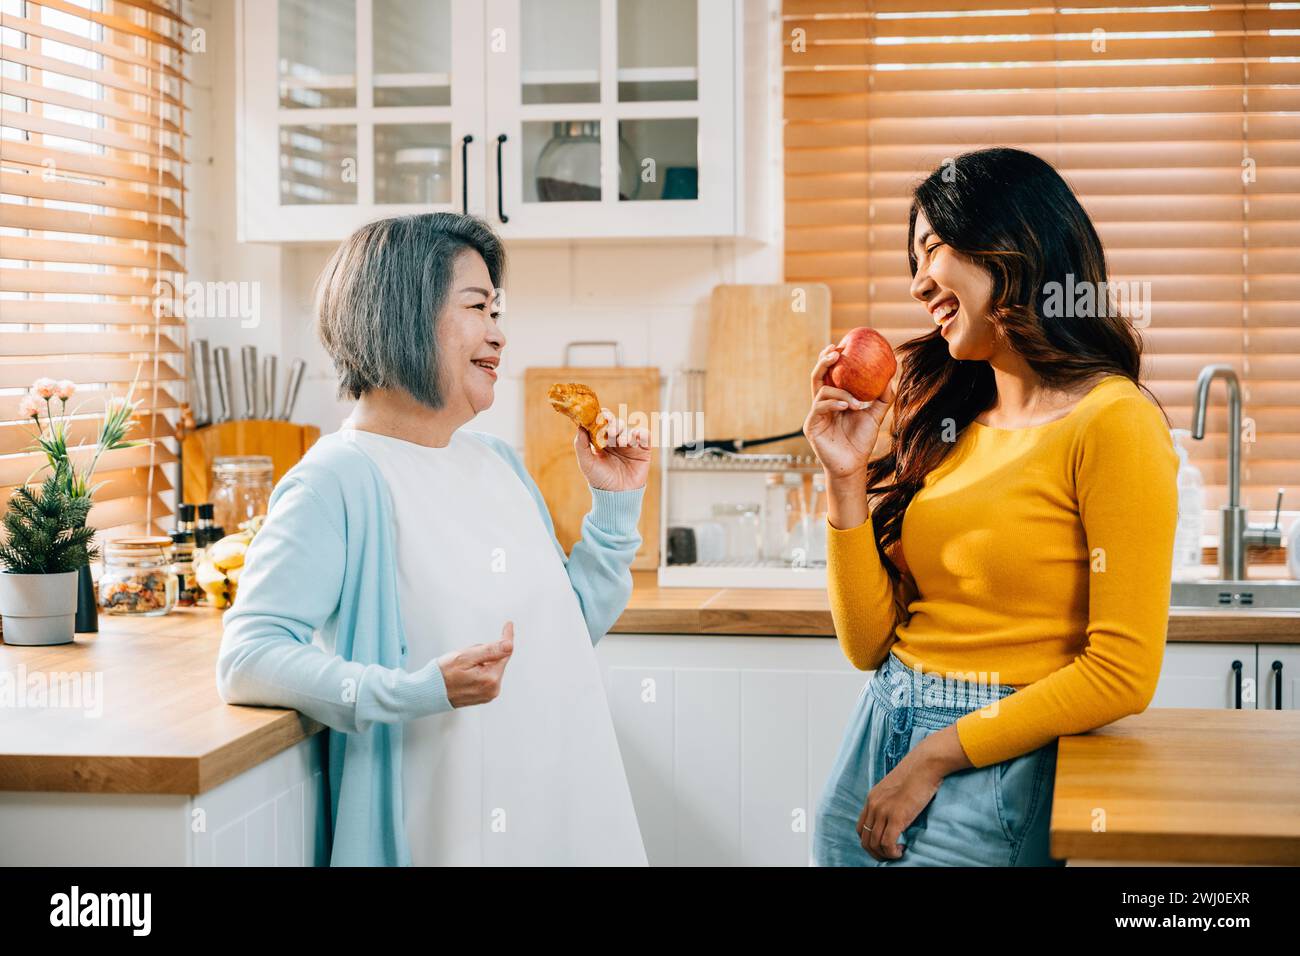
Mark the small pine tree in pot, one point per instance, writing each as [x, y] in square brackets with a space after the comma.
[52, 438]
[45, 542]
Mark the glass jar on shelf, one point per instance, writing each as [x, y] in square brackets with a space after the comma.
[138, 577]
[741, 521]
[568, 168]
[795, 551]
[241, 489]
[775, 517]
[816, 533]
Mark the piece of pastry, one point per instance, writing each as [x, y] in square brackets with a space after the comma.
[580, 403]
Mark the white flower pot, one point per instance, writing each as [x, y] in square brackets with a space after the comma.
[38, 608]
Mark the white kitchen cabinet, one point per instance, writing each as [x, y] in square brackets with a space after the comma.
[351, 110]
[273, 814]
[553, 119]
[1279, 677]
[728, 741]
[1205, 675]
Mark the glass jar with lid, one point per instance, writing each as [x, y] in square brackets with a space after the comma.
[241, 489]
[138, 576]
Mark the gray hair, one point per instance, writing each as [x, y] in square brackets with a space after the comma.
[379, 298]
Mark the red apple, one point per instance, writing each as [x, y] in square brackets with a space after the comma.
[865, 366]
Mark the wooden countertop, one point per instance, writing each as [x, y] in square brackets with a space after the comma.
[807, 612]
[1183, 786]
[164, 729]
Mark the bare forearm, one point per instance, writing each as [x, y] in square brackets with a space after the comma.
[942, 752]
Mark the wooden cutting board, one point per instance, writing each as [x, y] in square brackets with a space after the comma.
[763, 344]
[549, 455]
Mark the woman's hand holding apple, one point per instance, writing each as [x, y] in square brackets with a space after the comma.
[842, 431]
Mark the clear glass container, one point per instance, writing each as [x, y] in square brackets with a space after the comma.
[568, 165]
[743, 533]
[413, 164]
[241, 489]
[795, 552]
[775, 520]
[817, 522]
[138, 576]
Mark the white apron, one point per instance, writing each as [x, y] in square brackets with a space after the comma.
[535, 776]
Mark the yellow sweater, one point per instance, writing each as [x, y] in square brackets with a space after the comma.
[1037, 557]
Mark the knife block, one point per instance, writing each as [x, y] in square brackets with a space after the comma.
[284, 442]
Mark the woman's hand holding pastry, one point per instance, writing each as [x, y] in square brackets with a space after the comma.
[473, 674]
[623, 464]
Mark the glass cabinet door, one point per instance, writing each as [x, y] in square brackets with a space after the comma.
[317, 70]
[597, 115]
[411, 54]
[317, 62]
[658, 46]
[411, 93]
[365, 108]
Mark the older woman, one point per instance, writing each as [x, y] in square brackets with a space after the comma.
[407, 589]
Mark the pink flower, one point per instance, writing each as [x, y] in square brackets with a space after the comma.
[65, 388]
[44, 387]
[29, 407]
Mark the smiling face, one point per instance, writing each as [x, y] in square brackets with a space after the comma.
[956, 294]
[469, 339]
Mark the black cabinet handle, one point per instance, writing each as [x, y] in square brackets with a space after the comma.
[1236, 666]
[501, 209]
[464, 172]
[1277, 685]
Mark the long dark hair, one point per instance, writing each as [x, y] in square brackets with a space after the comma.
[1012, 214]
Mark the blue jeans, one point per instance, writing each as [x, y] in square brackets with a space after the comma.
[981, 816]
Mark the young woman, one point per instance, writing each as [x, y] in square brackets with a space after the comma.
[406, 560]
[1005, 565]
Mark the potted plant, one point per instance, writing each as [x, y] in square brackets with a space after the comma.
[52, 438]
[46, 542]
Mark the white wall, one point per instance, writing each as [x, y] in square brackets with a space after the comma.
[652, 297]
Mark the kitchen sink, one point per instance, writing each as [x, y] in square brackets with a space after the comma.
[1237, 595]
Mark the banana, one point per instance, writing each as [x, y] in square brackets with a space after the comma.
[228, 553]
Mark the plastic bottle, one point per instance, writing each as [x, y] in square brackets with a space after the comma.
[1191, 511]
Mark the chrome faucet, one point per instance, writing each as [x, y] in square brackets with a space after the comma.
[1235, 533]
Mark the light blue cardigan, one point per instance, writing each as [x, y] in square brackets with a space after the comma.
[324, 559]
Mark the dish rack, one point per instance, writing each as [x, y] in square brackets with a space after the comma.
[691, 482]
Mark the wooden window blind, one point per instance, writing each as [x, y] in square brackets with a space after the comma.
[92, 214]
[1177, 125]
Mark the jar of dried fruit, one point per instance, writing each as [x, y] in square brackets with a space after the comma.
[138, 577]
